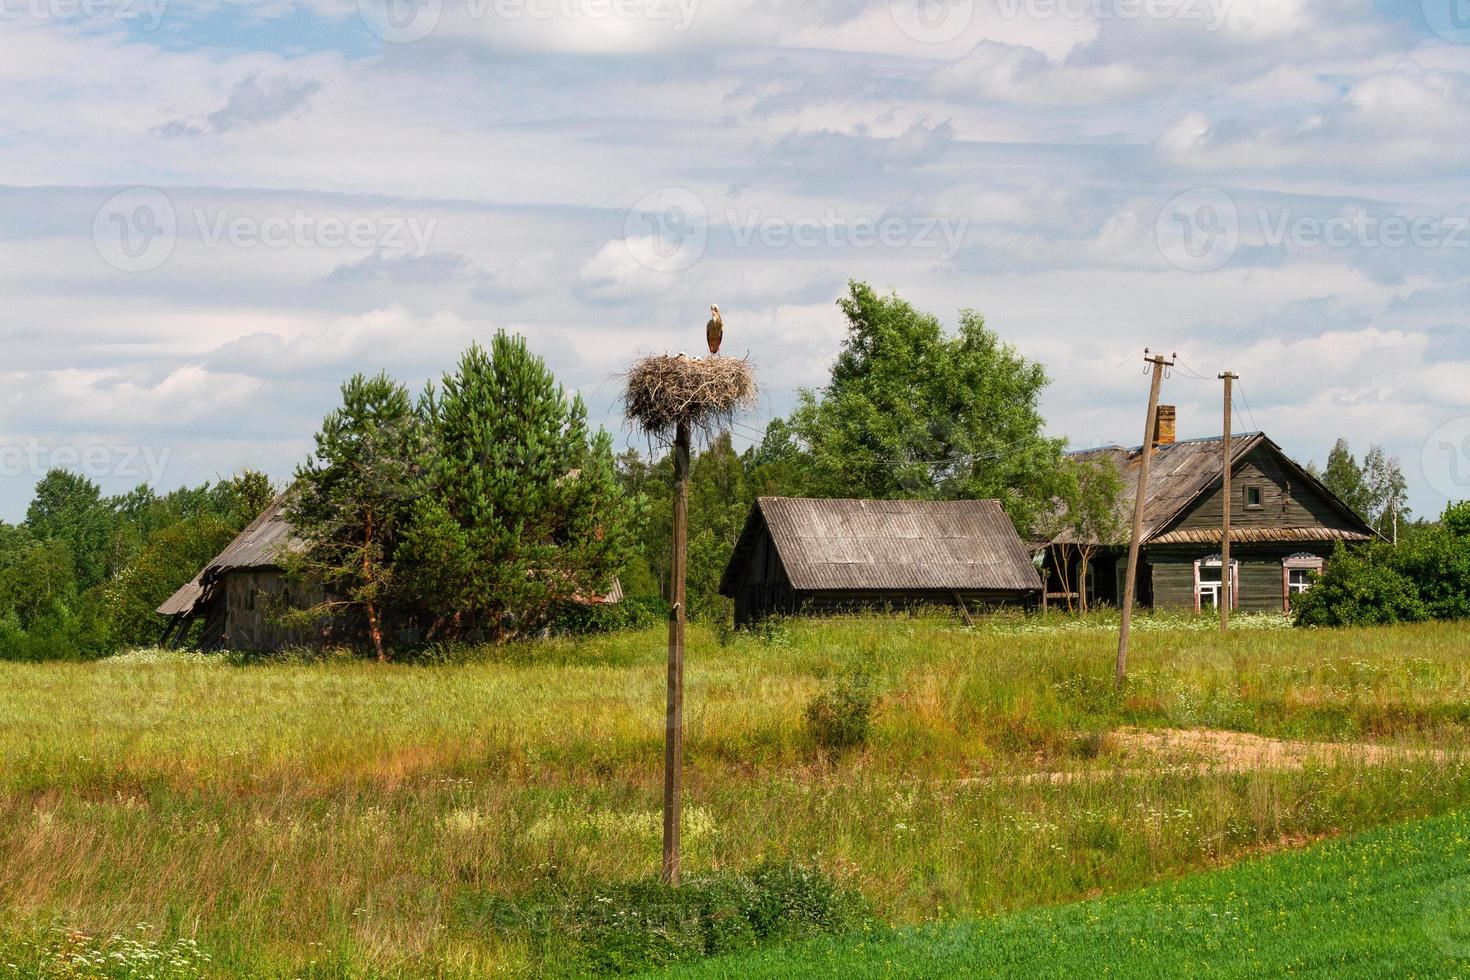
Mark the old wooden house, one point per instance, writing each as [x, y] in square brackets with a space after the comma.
[1284, 526]
[799, 555]
[241, 595]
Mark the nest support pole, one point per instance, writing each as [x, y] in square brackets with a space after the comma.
[681, 396]
[674, 728]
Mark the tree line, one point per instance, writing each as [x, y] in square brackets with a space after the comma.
[81, 576]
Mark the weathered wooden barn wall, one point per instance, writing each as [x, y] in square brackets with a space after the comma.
[254, 600]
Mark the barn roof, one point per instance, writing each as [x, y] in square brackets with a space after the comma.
[258, 546]
[889, 545]
[1183, 471]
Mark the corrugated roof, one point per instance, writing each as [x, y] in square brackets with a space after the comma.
[949, 545]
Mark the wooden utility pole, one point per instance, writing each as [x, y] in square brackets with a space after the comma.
[1227, 581]
[674, 718]
[1130, 583]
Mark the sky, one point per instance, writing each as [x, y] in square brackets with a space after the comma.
[214, 211]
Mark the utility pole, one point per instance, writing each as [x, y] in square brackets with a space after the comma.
[1130, 584]
[1227, 581]
[674, 718]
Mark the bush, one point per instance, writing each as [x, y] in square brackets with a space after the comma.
[1360, 588]
[582, 619]
[641, 925]
[840, 716]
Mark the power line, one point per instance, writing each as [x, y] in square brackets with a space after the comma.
[1246, 401]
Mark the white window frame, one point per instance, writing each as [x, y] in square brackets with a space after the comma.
[1299, 562]
[1214, 561]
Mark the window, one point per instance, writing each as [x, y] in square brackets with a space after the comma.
[1297, 572]
[1209, 582]
[1253, 496]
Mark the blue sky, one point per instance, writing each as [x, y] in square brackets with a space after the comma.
[211, 211]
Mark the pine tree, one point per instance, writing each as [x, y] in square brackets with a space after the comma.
[351, 500]
[523, 510]
[1344, 477]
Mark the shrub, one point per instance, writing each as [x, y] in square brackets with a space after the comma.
[583, 619]
[635, 926]
[840, 716]
[1360, 588]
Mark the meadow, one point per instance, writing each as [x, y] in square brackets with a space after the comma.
[332, 817]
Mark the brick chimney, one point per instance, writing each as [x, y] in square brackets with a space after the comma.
[1164, 431]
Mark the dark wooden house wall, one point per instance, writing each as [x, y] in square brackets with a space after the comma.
[1261, 580]
[1285, 501]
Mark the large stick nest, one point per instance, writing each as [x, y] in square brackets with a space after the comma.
[704, 393]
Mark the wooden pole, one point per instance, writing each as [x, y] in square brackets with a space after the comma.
[1227, 581]
[1130, 582]
[674, 717]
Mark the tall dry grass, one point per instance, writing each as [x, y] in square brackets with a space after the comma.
[342, 818]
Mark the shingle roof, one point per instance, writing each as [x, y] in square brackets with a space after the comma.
[897, 545]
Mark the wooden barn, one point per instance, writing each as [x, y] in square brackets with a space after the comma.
[799, 555]
[239, 596]
[240, 593]
[1284, 525]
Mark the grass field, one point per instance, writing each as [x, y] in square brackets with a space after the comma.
[1393, 902]
[338, 818]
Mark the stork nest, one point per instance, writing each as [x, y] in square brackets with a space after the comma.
[704, 393]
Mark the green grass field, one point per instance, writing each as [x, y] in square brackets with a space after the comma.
[336, 818]
[1393, 902]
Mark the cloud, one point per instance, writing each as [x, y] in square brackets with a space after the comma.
[254, 101]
